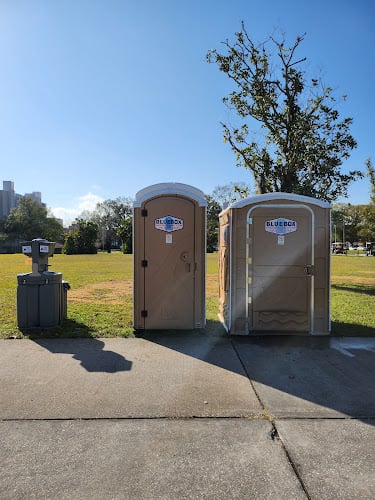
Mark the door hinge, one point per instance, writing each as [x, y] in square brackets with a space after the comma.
[144, 212]
[144, 263]
[144, 313]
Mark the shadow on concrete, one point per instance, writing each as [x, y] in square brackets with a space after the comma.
[89, 352]
[334, 373]
[210, 345]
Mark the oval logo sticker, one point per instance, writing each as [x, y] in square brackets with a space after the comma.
[169, 223]
[280, 226]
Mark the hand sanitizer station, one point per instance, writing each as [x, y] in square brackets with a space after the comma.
[169, 257]
[41, 294]
[274, 265]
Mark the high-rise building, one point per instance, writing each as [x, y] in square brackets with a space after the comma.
[9, 198]
[35, 195]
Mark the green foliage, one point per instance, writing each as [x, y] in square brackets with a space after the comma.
[371, 176]
[221, 197]
[213, 210]
[109, 216]
[301, 140]
[212, 236]
[81, 240]
[230, 193]
[353, 223]
[30, 220]
[125, 233]
[367, 230]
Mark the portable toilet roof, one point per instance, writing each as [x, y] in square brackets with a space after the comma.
[169, 188]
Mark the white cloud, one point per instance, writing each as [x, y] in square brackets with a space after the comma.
[88, 201]
[85, 202]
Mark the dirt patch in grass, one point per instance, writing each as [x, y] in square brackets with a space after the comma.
[110, 292]
[212, 286]
[114, 291]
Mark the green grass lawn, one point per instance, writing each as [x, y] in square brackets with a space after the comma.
[353, 295]
[100, 299]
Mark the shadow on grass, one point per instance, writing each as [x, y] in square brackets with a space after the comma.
[69, 329]
[362, 289]
[342, 329]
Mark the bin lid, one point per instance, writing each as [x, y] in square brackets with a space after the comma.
[52, 277]
[48, 277]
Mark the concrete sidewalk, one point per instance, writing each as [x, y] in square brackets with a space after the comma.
[187, 416]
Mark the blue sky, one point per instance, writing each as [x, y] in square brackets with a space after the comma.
[99, 99]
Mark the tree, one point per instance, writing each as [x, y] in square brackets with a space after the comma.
[347, 222]
[230, 193]
[367, 228]
[213, 210]
[109, 215]
[125, 233]
[221, 197]
[81, 240]
[31, 220]
[368, 220]
[371, 176]
[302, 141]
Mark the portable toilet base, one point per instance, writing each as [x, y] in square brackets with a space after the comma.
[274, 265]
[169, 233]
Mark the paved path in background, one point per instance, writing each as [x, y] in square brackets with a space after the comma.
[187, 416]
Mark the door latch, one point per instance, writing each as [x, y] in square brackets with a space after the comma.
[309, 270]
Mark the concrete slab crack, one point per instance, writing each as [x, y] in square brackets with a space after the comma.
[274, 434]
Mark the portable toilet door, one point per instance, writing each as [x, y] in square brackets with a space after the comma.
[276, 250]
[169, 257]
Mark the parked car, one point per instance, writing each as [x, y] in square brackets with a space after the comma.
[370, 249]
[339, 248]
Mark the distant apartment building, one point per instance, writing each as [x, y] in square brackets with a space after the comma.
[36, 195]
[9, 198]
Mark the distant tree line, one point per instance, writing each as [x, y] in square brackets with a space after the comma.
[109, 225]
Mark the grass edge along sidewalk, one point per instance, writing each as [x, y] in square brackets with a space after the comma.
[100, 301]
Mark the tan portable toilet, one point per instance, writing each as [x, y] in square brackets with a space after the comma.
[274, 265]
[169, 234]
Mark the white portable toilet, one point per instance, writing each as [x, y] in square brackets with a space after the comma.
[274, 265]
[169, 241]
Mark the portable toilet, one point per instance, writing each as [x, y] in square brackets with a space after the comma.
[274, 265]
[169, 233]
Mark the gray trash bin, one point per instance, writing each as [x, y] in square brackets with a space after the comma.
[41, 294]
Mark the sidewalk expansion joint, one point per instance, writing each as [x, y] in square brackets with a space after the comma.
[327, 417]
[93, 419]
